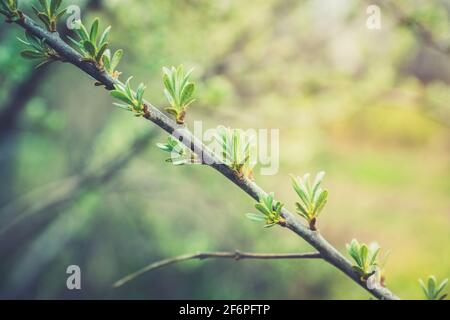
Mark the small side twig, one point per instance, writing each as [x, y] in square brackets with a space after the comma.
[236, 255]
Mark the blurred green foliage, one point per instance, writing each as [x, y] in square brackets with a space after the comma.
[369, 107]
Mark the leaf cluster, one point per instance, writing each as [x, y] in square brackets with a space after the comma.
[432, 289]
[131, 101]
[179, 91]
[93, 47]
[110, 62]
[312, 197]
[235, 150]
[38, 50]
[9, 8]
[49, 13]
[269, 211]
[365, 257]
[179, 153]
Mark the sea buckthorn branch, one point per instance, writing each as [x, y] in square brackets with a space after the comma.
[328, 252]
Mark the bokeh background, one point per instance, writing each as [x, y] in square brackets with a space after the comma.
[81, 182]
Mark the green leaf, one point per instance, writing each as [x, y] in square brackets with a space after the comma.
[104, 36]
[317, 182]
[24, 42]
[363, 253]
[170, 99]
[255, 217]
[80, 29]
[44, 5]
[172, 111]
[186, 94]
[90, 49]
[186, 78]
[353, 250]
[299, 191]
[77, 44]
[431, 284]
[164, 147]
[35, 10]
[269, 225]
[122, 106]
[100, 52]
[94, 31]
[54, 5]
[44, 18]
[178, 161]
[262, 209]
[30, 54]
[441, 286]
[121, 96]
[358, 270]
[43, 63]
[140, 92]
[321, 202]
[60, 14]
[302, 211]
[374, 250]
[268, 201]
[424, 288]
[128, 88]
[116, 59]
[34, 41]
[106, 59]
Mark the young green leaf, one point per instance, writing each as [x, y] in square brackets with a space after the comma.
[95, 50]
[365, 257]
[38, 50]
[133, 101]
[235, 147]
[94, 31]
[270, 212]
[29, 54]
[179, 153]
[89, 47]
[179, 91]
[432, 289]
[312, 197]
[49, 13]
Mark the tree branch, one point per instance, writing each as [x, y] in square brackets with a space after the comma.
[237, 255]
[314, 238]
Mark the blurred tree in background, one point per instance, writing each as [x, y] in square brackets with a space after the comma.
[81, 183]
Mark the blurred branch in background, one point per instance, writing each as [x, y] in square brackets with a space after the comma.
[238, 45]
[14, 106]
[236, 255]
[16, 102]
[421, 31]
[437, 56]
[50, 202]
